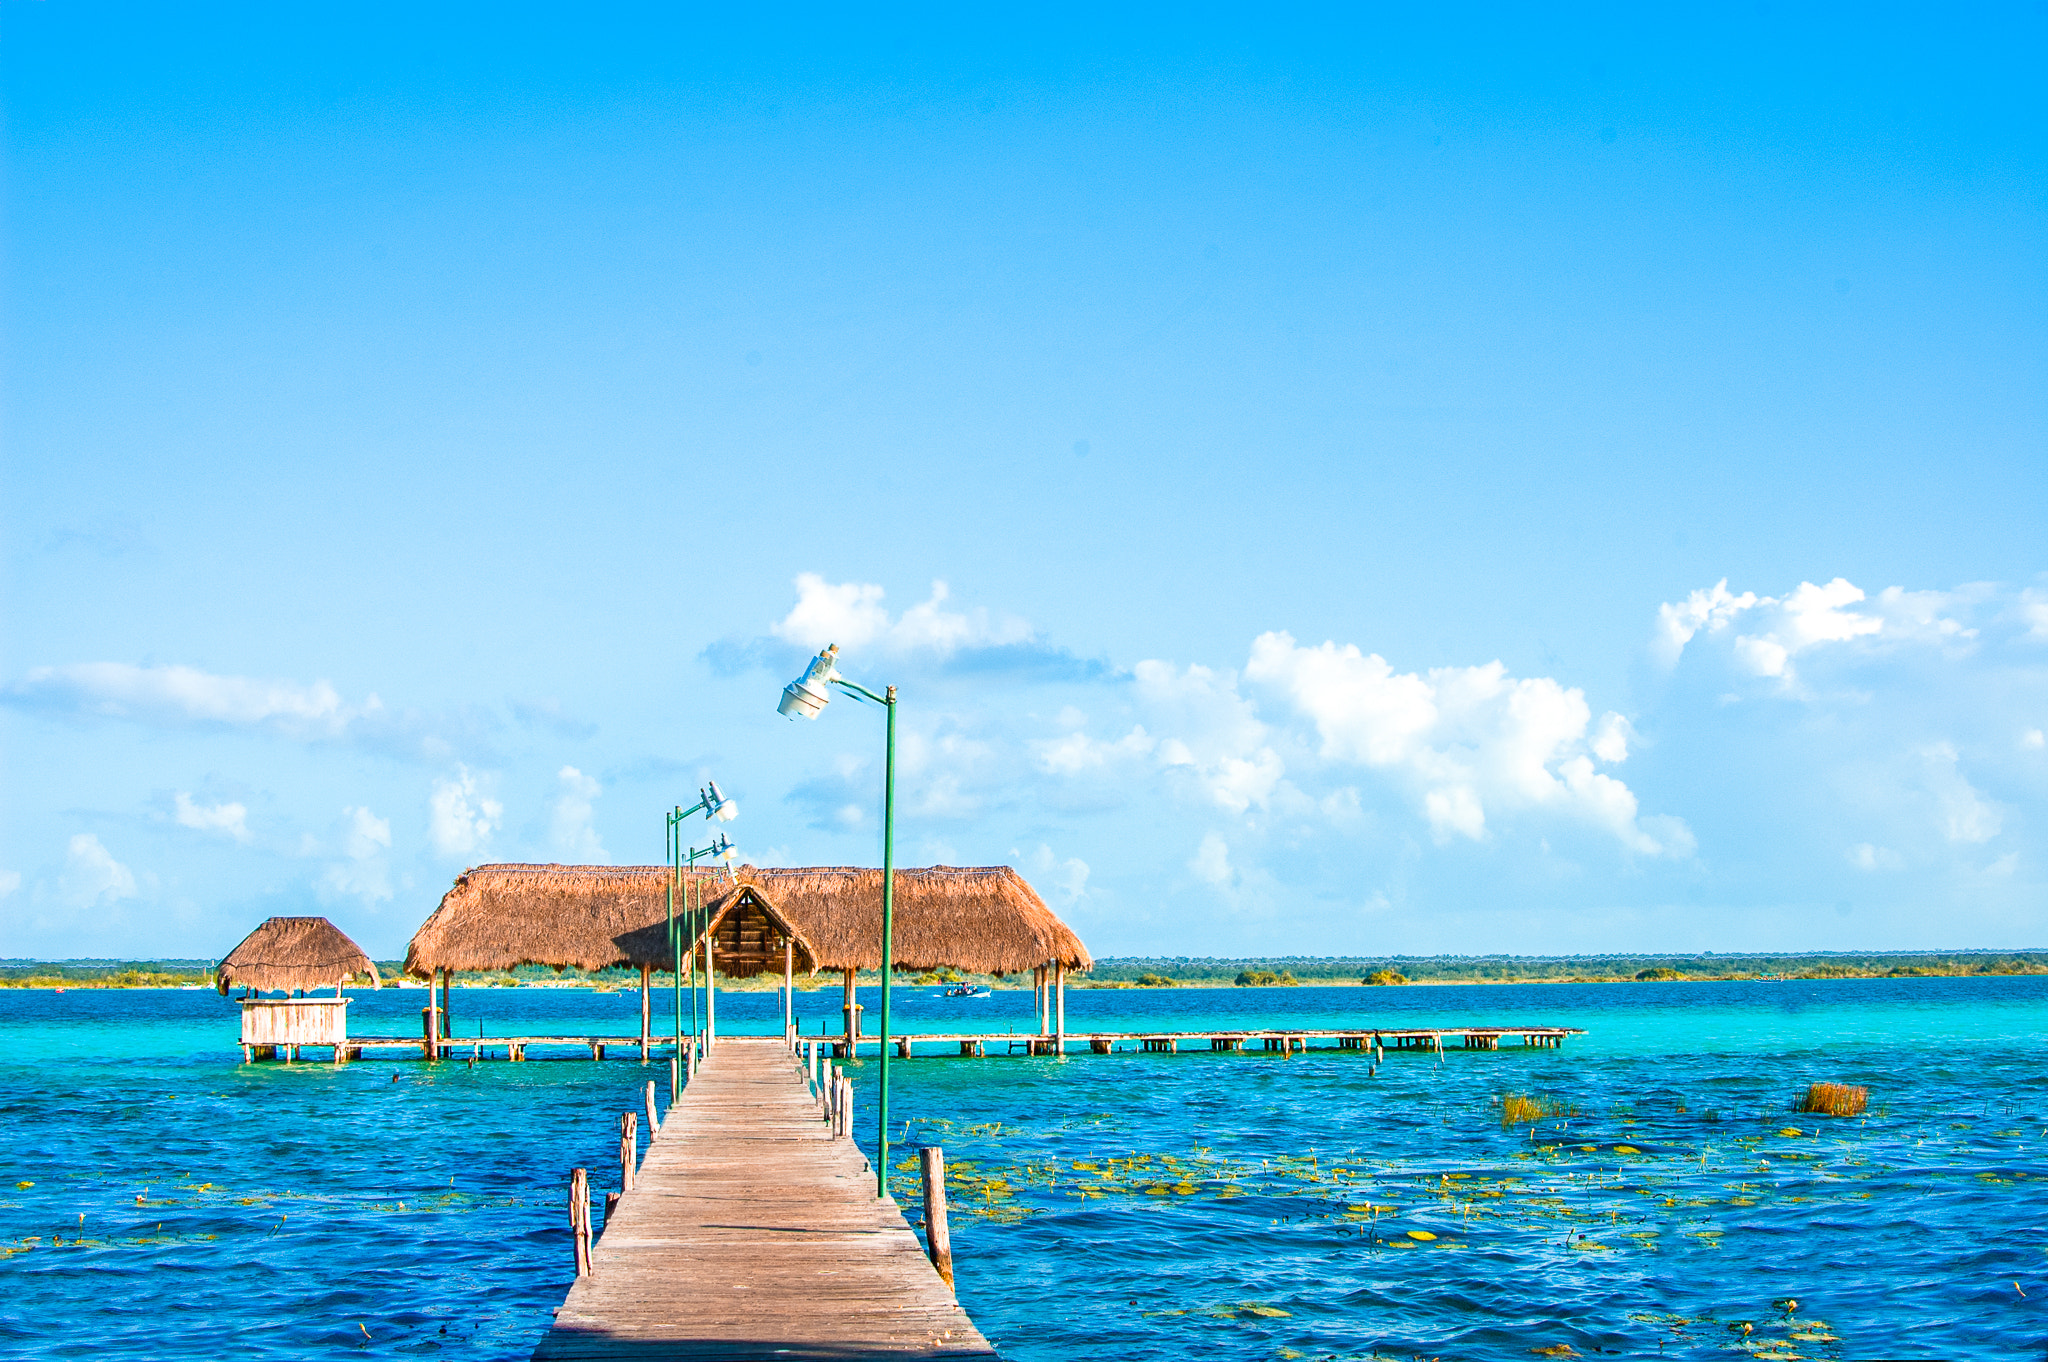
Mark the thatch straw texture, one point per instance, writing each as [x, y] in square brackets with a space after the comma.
[985, 919]
[498, 916]
[288, 953]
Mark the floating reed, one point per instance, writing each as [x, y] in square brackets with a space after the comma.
[1835, 1099]
[1517, 1110]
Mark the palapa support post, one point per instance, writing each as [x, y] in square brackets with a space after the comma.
[710, 994]
[629, 1151]
[852, 1012]
[937, 1239]
[646, 1011]
[1059, 1029]
[447, 983]
[428, 1044]
[579, 1218]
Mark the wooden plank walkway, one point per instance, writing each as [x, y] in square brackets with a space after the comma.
[752, 1233]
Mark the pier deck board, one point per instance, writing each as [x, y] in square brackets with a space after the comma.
[752, 1233]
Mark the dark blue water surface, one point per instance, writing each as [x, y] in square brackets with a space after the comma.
[161, 1199]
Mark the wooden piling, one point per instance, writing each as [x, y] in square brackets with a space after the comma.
[938, 1240]
[579, 1218]
[629, 1149]
[652, 1125]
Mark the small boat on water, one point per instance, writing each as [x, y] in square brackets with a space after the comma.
[965, 991]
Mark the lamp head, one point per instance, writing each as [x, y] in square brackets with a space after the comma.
[807, 696]
[717, 806]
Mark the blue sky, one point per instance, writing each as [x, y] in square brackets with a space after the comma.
[1357, 481]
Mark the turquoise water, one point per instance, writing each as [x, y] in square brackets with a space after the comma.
[1127, 1206]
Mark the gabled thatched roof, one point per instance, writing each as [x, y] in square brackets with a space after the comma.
[498, 916]
[294, 952]
[581, 916]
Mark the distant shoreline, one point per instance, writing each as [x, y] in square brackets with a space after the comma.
[1176, 972]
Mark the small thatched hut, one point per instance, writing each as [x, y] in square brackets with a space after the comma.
[294, 955]
[987, 920]
[290, 954]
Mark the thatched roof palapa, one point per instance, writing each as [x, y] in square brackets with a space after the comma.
[988, 920]
[288, 953]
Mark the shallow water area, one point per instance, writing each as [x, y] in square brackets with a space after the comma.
[159, 1198]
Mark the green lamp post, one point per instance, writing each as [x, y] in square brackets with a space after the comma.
[713, 805]
[806, 698]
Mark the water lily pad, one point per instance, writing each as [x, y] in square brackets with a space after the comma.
[1790, 1132]
[1423, 1236]
[1626, 1149]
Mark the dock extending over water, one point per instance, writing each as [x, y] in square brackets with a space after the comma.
[1374, 1040]
[752, 1232]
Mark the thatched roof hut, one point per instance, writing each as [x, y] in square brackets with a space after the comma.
[288, 953]
[987, 920]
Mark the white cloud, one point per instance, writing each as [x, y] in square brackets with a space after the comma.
[852, 615]
[1211, 862]
[10, 880]
[1464, 739]
[1711, 609]
[2033, 608]
[1806, 618]
[1074, 753]
[1865, 856]
[1067, 880]
[186, 694]
[460, 816]
[366, 874]
[1612, 737]
[2033, 740]
[1962, 814]
[231, 819]
[570, 830]
[91, 876]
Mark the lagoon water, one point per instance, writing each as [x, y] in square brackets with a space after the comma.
[163, 1200]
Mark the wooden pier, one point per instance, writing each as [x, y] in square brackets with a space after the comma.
[1407, 1040]
[752, 1231]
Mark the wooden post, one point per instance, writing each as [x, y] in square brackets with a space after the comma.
[629, 1149]
[427, 1027]
[579, 1218]
[653, 1126]
[646, 1010]
[852, 1016]
[710, 993]
[447, 982]
[938, 1241]
[788, 986]
[1059, 975]
[675, 1077]
[846, 1107]
[817, 1085]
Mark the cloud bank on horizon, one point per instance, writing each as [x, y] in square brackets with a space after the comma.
[1898, 737]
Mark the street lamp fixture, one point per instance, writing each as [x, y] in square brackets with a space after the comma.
[806, 698]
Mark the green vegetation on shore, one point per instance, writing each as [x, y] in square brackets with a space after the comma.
[1181, 971]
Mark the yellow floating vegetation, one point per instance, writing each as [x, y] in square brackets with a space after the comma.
[1266, 1312]
[1516, 1109]
[1835, 1099]
[1422, 1236]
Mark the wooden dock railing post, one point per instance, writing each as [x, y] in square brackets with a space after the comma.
[629, 1148]
[653, 1125]
[937, 1239]
[579, 1218]
[846, 1107]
